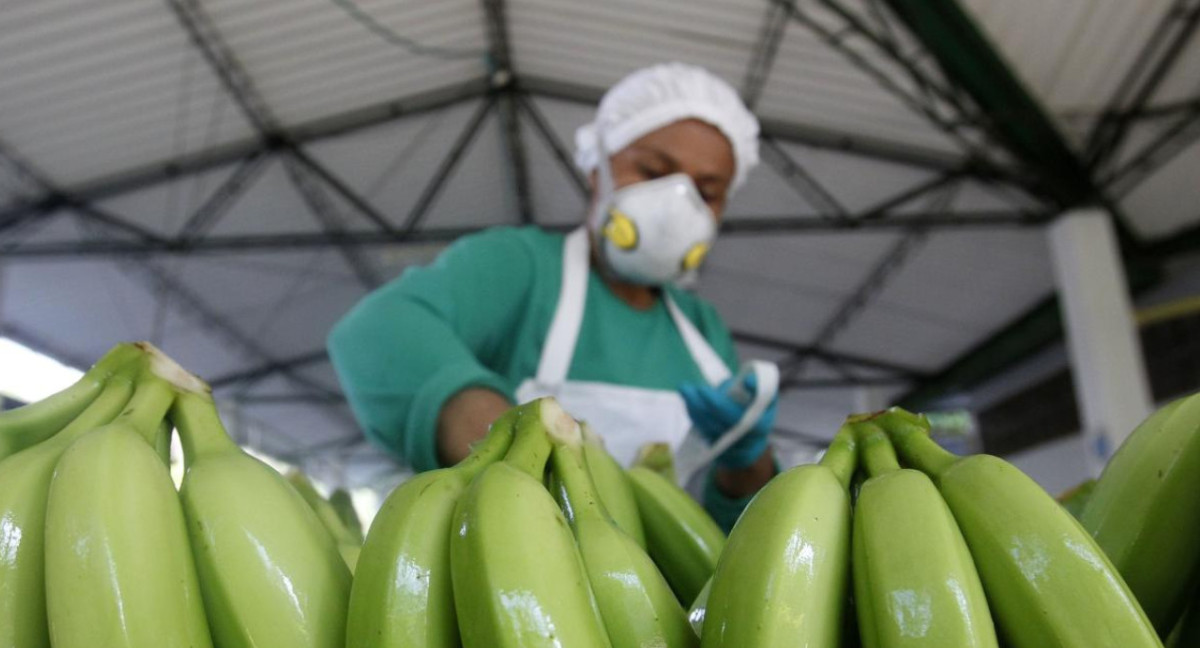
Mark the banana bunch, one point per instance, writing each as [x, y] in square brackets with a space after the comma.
[537, 539]
[942, 552]
[98, 549]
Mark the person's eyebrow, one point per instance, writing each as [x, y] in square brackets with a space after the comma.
[662, 155]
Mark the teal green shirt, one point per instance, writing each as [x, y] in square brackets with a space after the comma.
[478, 317]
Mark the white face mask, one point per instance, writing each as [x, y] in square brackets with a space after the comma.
[654, 232]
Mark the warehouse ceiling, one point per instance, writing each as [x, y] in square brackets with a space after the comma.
[227, 178]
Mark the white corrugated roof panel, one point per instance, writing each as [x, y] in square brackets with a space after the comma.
[788, 286]
[1071, 53]
[554, 194]
[391, 165]
[596, 44]
[1183, 82]
[1169, 200]
[87, 88]
[953, 290]
[312, 59]
[814, 85]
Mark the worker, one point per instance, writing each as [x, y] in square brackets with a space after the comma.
[594, 318]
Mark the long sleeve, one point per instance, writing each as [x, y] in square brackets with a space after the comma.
[408, 347]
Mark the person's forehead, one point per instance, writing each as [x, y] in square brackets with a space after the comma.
[693, 143]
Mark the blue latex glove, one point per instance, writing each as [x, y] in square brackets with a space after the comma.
[713, 412]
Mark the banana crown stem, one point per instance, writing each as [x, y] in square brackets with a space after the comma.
[842, 456]
[200, 428]
[540, 421]
[492, 447]
[910, 437]
[167, 369]
[878, 455]
[152, 397]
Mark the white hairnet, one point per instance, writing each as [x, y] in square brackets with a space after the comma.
[656, 96]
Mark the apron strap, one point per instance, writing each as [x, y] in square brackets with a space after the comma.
[568, 320]
[711, 364]
[568, 316]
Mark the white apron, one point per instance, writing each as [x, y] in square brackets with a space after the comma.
[627, 417]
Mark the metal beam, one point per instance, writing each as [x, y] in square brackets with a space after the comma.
[138, 178]
[330, 220]
[812, 191]
[956, 127]
[57, 198]
[241, 87]
[557, 147]
[871, 286]
[1156, 60]
[511, 124]
[1028, 333]
[873, 364]
[854, 304]
[259, 372]
[970, 62]
[504, 73]
[340, 187]
[794, 384]
[740, 226]
[1169, 142]
[884, 207]
[853, 144]
[765, 50]
[223, 197]
[413, 220]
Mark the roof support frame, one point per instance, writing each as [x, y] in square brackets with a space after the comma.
[1157, 59]
[504, 75]
[740, 226]
[445, 168]
[792, 172]
[224, 197]
[766, 48]
[557, 147]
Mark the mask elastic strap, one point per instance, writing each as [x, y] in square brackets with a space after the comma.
[606, 186]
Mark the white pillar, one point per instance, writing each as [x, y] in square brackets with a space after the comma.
[1109, 371]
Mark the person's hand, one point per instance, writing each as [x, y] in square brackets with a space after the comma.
[713, 412]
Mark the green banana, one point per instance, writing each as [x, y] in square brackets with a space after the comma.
[782, 578]
[915, 585]
[519, 581]
[33, 423]
[1187, 631]
[1142, 511]
[24, 486]
[636, 603]
[657, 456]
[681, 537]
[1076, 498]
[612, 485]
[1047, 581]
[699, 609]
[119, 571]
[402, 596]
[269, 572]
[341, 502]
[325, 511]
